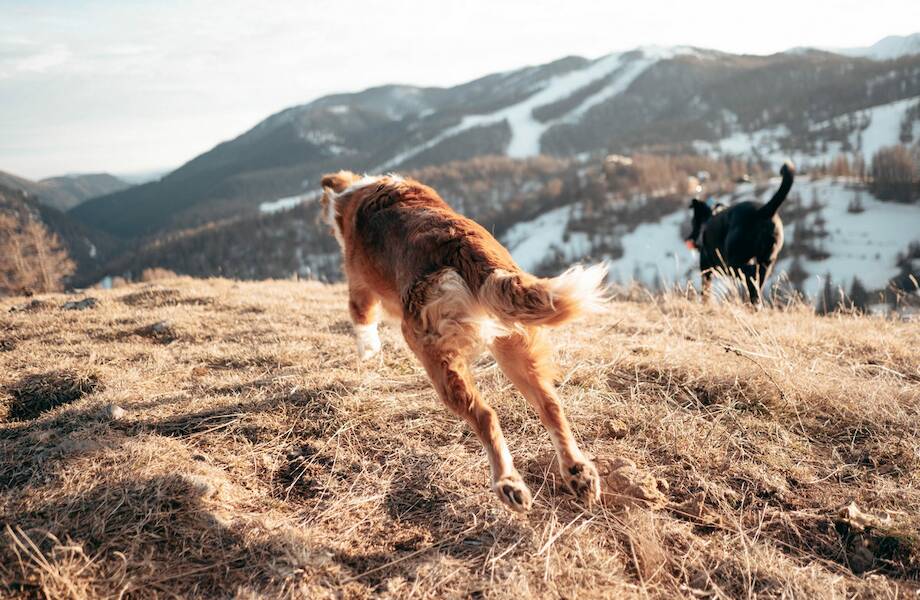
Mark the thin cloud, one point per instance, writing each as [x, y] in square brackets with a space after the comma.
[184, 76]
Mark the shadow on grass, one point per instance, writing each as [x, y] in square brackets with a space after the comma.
[149, 535]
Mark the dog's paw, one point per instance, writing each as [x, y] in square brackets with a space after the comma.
[513, 493]
[368, 341]
[582, 478]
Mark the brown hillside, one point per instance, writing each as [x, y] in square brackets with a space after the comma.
[208, 438]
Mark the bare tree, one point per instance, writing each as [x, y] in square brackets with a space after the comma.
[32, 259]
[895, 174]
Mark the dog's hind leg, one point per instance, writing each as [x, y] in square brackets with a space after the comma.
[763, 272]
[749, 275]
[450, 374]
[441, 330]
[706, 285]
[526, 358]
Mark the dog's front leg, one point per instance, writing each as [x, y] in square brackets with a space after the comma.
[364, 308]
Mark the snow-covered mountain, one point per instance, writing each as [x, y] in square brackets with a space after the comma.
[807, 104]
[888, 48]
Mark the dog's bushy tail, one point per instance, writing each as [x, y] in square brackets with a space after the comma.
[522, 298]
[769, 209]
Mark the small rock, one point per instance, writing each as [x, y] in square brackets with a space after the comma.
[160, 327]
[853, 516]
[616, 428]
[113, 412]
[161, 331]
[624, 484]
[81, 304]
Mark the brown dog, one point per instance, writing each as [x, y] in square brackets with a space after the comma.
[454, 288]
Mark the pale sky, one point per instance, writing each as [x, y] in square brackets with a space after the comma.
[127, 86]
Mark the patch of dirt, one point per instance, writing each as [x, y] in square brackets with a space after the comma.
[161, 332]
[83, 304]
[32, 306]
[154, 297]
[150, 298]
[36, 394]
[873, 542]
[311, 471]
[263, 361]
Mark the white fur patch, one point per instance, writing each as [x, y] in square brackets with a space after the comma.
[455, 316]
[585, 285]
[368, 340]
[370, 180]
[490, 328]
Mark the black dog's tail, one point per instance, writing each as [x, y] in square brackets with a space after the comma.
[769, 209]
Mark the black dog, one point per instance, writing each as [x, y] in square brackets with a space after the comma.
[745, 238]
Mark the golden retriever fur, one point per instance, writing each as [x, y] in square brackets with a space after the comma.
[455, 288]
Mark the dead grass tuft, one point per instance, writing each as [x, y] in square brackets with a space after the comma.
[38, 393]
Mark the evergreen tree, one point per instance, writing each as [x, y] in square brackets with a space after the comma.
[829, 299]
[859, 296]
[856, 203]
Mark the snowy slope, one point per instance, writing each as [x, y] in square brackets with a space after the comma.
[884, 126]
[531, 242]
[621, 69]
[888, 48]
[654, 254]
[872, 129]
[863, 245]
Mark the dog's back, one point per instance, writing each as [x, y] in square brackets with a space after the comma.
[740, 233]
[399, 235]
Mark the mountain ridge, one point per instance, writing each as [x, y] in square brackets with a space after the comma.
[64, 192]
[645, 98]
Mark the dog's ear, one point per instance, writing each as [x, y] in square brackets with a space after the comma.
[337, 182]
[694, 202]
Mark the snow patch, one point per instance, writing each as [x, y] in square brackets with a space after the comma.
[655, 254]
[286, 203]
[532, 242]
[863, 245]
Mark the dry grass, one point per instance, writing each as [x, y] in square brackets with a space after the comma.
[257, 458]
